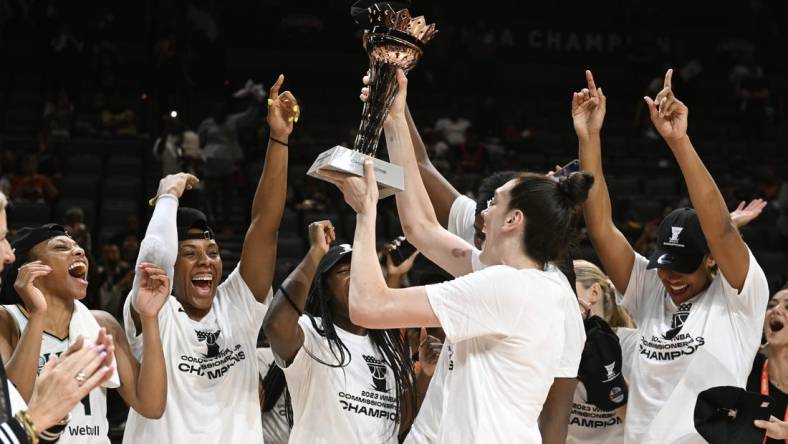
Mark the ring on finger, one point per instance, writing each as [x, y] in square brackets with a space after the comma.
[80, 377]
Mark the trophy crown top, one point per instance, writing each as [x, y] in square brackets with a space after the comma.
[384, 15]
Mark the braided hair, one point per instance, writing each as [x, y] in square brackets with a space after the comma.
[390, 343]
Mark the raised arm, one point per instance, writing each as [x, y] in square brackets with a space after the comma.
[372, 304]
[281, 320]
[588, 115]
[143, 385]
[160, 244]
[442, 193]
[669, 116]
[416, 213]
[258, 256]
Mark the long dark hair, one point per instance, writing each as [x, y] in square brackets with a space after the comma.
[390, 344]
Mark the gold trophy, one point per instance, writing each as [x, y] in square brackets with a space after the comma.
[395, 40]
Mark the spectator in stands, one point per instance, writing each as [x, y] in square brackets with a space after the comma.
[129, 248]
[453, 127]
[48, 159]
[30, 185]
[753, 95]
[472, 155]
[58, 116]
[168, 147]
[114, 279]
[74, 221]
[219, 141]
[702, 294]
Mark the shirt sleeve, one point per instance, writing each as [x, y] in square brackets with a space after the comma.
[237, 295]
[754, 295]
[461, 218]
[574, 339]
[643, 283]
[11, 432]
[477, 304]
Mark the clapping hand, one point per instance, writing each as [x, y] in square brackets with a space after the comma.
[668, 113]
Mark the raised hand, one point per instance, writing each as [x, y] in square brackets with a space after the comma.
[742, 215]
[588, 108]
[397, 109]
[429, 352]
[153, 292]
[283, 110]
[321, 234]
[361, 193]
[33, 298]
[668, 114]
[176, 184]
[405, 266]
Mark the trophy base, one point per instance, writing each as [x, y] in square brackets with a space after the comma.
[390, 177]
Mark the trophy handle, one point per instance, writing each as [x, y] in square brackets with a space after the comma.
[382, 89]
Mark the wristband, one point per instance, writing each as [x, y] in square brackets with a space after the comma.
[278, 141]
[152, 201]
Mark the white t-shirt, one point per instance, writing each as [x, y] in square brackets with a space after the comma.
[425, 427]
[88, 423]
[505, 327]
[212, 370]
[353, 404]
[453, 130]
[276, 430]
[428, 421]
[708, 341]
[590, 425]
[461, 218]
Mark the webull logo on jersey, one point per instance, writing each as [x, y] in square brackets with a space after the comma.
[216, 361]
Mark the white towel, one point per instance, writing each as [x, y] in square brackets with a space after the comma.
[84, 324]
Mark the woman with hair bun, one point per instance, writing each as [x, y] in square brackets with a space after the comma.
[503, 315]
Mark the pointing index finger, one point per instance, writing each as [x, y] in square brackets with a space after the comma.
[590, 81]
[274, 94]
[669, 79]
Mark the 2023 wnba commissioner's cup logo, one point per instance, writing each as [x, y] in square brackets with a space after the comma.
[378, 370]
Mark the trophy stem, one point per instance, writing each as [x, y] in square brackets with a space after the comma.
[382, 89]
